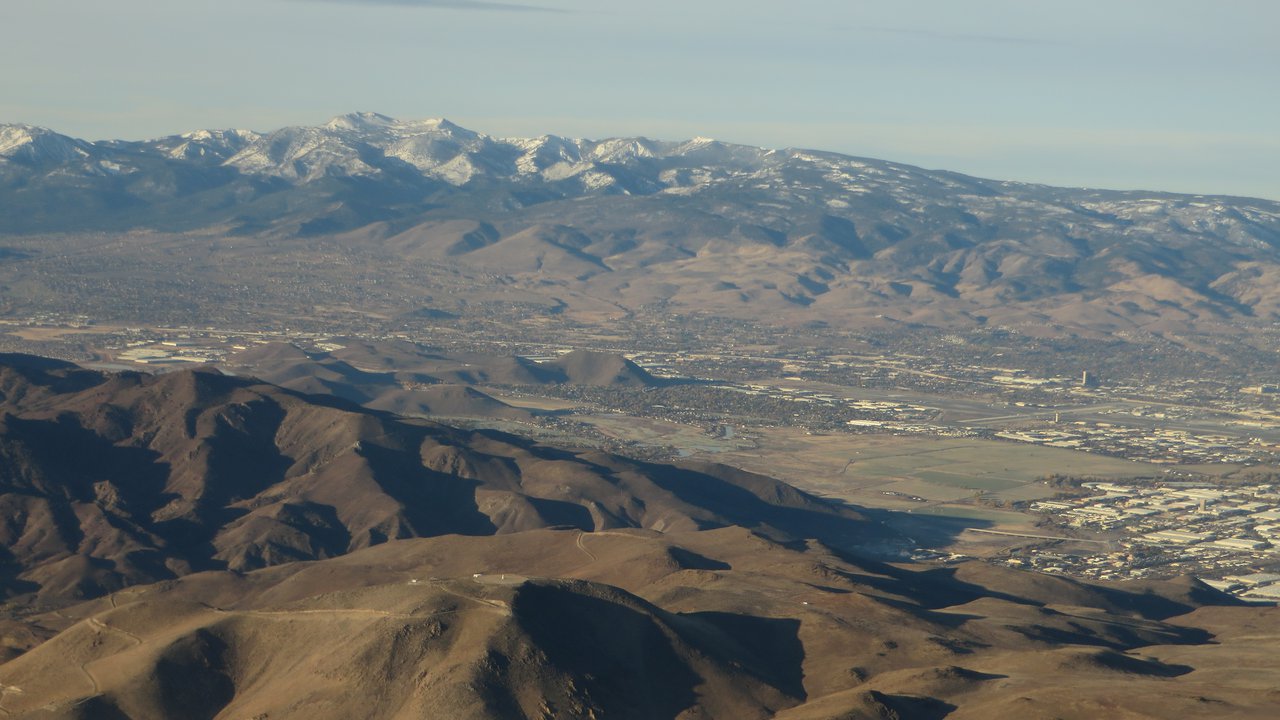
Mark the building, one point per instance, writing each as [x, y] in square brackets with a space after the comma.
[1255, 579]
[1241, 544]
[1176, 537]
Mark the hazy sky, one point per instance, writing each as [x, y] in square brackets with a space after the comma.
[1158, 94]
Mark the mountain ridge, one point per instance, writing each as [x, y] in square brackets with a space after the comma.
[633, 222]
[195, 470]
[712, 623]
[218, 546]
[253, 149]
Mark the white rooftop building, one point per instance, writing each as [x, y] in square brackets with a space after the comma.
[1255, 579]
[1241, 544]
[1176, 537]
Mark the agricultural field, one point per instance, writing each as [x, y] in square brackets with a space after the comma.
[886, 471]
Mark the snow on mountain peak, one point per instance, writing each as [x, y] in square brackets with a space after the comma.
[368, 144]
[212, 144]
[553, 157]
[616, 150]
[233, 134]
[39, 144]
[442, 124]
[375, 124]
[361, 121]
[414, 157]
[15, 136]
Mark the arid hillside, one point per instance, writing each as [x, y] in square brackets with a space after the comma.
[199, 545]
[111, 480]
[632, 623]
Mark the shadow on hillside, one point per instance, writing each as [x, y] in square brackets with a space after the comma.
[762, 503]
[629, 666]
[768, 648]
[922, 530]
[631, 662]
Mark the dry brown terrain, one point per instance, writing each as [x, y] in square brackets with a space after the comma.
[218, 547]
[195, 470]
[405, 379]
[196, 545]
[719, 623]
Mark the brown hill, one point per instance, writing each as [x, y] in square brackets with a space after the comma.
[289, 366]
[363, 370]
[384, 355]
[720, 623]
[271, 353]
[386, 376]
[474, 369]
[196, 470]
[446, 401]
[322, 560]
[577, 367]
[552, 247]
[459, 649]
[586, 367]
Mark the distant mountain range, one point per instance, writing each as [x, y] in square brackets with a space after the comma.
[697, 226]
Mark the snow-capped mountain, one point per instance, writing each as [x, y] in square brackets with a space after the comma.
[369, 144]
[426, 154]
[798, 229]
[206, 145]
[36, 145]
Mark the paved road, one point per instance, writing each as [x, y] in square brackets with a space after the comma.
[1035, 537]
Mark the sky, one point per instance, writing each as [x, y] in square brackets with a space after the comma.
[1127, 94]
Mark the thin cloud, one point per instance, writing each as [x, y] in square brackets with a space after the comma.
[445, 5]
[960, 37]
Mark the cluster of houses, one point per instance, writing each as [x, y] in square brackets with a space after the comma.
[1189, 527]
